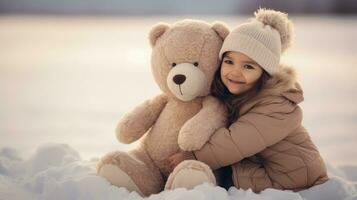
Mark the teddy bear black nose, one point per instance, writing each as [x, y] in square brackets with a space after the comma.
[179, 79]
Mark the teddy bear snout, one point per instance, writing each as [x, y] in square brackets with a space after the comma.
[179, 79]
[186, 81]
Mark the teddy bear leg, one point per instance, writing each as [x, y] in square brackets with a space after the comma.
[188, 174]
[133, 170]
[118, 177]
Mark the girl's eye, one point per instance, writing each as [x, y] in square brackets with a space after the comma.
[229, 62]
[173, 64]
[248, 67]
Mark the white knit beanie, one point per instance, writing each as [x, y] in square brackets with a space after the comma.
[262, 39]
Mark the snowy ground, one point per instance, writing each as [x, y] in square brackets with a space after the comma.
[68, 81]
[57, 172]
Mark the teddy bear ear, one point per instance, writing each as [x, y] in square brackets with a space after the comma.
[156, 31]
[221, 29]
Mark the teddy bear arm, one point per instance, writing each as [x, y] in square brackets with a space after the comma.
[211, 117]
[136, 123]
[197, 131]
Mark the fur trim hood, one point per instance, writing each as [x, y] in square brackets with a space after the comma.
[283, 84]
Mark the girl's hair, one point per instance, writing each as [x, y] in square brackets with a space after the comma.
[233, 102]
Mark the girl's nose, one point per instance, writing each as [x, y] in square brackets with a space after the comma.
[237, 71]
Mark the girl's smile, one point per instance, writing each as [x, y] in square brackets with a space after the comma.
[236, 82]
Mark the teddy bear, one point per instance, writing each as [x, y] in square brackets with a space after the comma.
[184, 60]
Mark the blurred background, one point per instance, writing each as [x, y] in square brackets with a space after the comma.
[70, 69]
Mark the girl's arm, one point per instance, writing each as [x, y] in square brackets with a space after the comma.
[197, 131]
[135, 124]
[260, 128]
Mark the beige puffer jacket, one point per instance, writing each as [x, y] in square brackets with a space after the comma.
[267, 146]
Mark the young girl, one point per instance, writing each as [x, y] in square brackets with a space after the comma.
[264, 144]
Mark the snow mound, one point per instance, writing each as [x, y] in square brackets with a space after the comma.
[57, 172]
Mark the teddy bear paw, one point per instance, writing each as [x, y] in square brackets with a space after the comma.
[187, 143]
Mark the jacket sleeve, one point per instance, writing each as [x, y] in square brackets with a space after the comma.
[258, 129]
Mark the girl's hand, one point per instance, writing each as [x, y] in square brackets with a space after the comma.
[175, 159]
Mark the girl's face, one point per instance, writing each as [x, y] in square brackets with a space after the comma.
[239, 73]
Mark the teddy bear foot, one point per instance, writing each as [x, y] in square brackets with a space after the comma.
[118, 177]
[189, 174]
[132, 170]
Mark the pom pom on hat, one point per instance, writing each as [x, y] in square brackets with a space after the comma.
[280, 22]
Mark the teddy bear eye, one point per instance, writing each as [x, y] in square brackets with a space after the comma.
[173, 64]
[195, 64]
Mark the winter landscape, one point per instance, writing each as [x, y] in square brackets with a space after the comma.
[65, 83]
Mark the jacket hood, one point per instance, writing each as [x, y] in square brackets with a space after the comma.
[284, 83]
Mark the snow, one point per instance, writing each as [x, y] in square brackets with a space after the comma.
[56, 171]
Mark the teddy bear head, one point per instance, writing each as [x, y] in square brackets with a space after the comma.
[185, 58]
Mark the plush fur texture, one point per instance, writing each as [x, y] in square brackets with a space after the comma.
[157, 122]
[190, 167]
[156, 32]
[114, 173]
[220, 28]
[278, 21]
[197, 131]
[177, 45]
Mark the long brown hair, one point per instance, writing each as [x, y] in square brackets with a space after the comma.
[233, 102]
